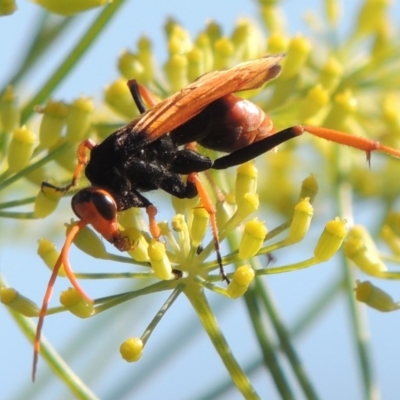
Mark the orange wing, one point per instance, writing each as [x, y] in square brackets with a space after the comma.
[185, 104]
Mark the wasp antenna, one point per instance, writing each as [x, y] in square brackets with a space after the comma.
[209, 207]
[357, 142]
[62, 260]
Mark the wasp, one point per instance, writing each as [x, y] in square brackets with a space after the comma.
[157, 151]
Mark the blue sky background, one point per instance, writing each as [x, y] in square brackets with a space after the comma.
[327, 350]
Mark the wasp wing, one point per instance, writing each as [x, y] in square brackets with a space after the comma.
[185, 104]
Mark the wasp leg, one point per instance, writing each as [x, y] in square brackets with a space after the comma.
[262, 146]
[256, 149]
[82, 156]
[209, 206]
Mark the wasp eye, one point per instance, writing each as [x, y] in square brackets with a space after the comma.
[85, 200]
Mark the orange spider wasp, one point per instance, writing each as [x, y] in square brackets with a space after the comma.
[156, 149]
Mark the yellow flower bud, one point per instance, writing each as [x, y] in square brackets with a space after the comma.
[303, 213]
[296, 57]
[79, 119]
[246, 180]
[199, 225]
[383, 42]
[130, 67]
[49, 254]
[273, 18]
[77, 305]
[252, 239]
[360, 248]
[391, 239]
[247, 206]
[46, 201]
[139, 250]
[8, 7]
[371, 16]
[178, 223]
[69, 7]
[21, 149]
[146, 58]
[203, 43]
[9, 111]
[277, 43]
[332, 11]
[176, 70]
[119, 98]
[131, 350]
[67, 158]
[317, 98]
[309, 188]
[11, 298]
[223, 53]
[241, 280]
[179, 41]
[195, 63]
[344, 105]
[246, 39]
[52, 123]
[159, 260]
[87, 241]
[393, 221]
[213, 31]
[374, 297]
[331, 74]
[330, 240]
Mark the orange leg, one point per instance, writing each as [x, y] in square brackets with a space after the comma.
[82, 156]
[62, 260]
[357, 142]
[209, 206]
[147, 95]
[153, 227]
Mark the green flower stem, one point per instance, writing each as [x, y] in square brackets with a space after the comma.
[17, 203]
[358, 319]
[200, 304]
[18, 215]
[154, 322]
[113, 301]
[72, 58]
[288, 268]
[56, 363]
[270, 359]
[286, 345]
[343, 194]
[311, 314]
[118, 275]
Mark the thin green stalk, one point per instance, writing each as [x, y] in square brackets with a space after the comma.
[270, 355]
[358, 320]
[200, 304]
[285, 341]
[343, 194]
[72, 58]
